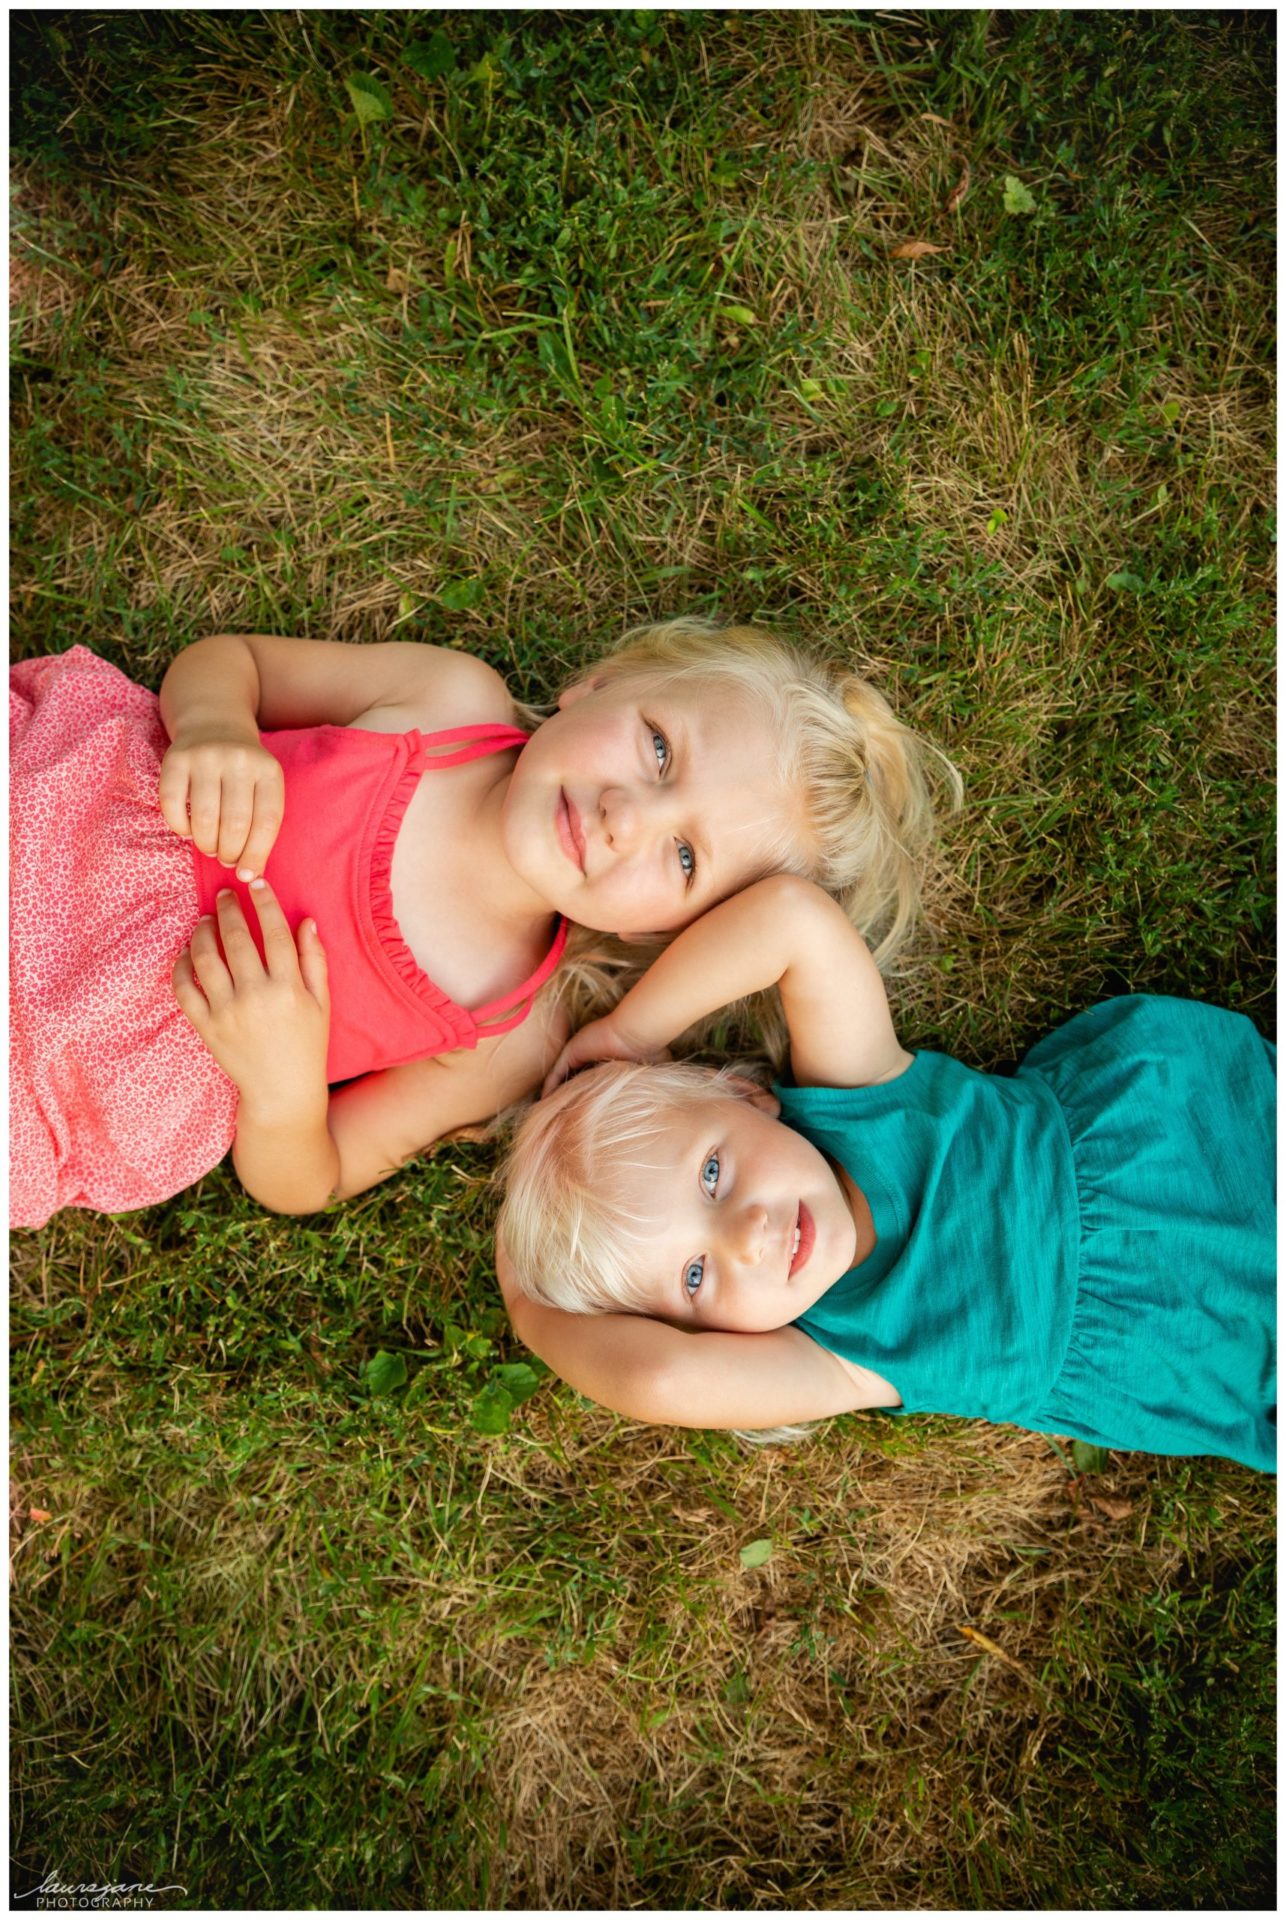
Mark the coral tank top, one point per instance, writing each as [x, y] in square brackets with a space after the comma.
[346, 793]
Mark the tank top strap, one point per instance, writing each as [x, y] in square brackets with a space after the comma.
[516, 1005]
[455, 746]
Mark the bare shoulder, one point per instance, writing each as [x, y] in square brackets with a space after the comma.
[435, 687]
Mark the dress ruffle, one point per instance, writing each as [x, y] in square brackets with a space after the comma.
[1169, 1107]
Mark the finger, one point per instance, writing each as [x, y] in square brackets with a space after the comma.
[239, 948]
[236, 811]
[269, 807]
[558, 1072]
[205, 792]
[207, 962]
[193, 1004]
[312, 965]
[172, 795]
[278, 940]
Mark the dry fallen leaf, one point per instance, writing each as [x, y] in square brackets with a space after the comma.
[1114, 1509]
[957, 192]
[914, 250]
[936, 118]
[38, 1513]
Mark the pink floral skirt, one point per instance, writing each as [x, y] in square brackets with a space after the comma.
[114, 1102]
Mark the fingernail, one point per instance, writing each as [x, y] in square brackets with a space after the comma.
[226, 893]
[246, 873]
[257, 886]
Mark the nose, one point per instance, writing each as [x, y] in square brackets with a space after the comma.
[627, 814]
[748, 1233]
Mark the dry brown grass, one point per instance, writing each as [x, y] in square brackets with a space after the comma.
[811, 1711]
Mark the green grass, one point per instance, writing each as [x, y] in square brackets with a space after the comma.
[601, 323]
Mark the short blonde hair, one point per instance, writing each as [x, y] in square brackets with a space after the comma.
[565, 1223]
[862, 777]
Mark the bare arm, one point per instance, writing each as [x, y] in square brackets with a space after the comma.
[298, 1145]
[651, 1371]
[783, 932]
[221, 787]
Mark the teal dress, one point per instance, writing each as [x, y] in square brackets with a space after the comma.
[1086, 1248]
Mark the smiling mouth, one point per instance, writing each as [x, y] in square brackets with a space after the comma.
[569, 831]
[805, 1235]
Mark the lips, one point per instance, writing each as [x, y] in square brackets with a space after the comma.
[570, 835]
[807, 1231]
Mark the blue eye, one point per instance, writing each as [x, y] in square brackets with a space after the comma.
[687, 860]
[693, 1275]
[661, 748]
[710, 1175]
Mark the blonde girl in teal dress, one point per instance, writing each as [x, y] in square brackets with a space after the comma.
[1086, 1248]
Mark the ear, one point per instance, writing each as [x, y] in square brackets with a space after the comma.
[577, 691]
[751, 1091]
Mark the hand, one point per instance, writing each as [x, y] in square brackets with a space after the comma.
[600, 1040]
[266, 1025]
[227, 795]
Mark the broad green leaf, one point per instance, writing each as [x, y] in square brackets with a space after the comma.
[756, 1553]
[518, 1380]
[1017, 198]
[1129, 581]
[996, 519]
[370, 98]
[741, 316]
[1088, 1459]
[384, 1371]
[431, 58]
[491, 1409]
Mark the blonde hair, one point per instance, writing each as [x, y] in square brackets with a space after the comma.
[565, 1223]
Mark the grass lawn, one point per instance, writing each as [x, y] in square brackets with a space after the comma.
[507, 331]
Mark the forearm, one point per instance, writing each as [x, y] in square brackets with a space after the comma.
[651, 1371]
[285, 1156]
[621, 1361]
[212, 690]
[763, 937]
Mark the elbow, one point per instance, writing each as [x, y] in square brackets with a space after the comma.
[293, 1207]
[654, 1390]
[291, 1199]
